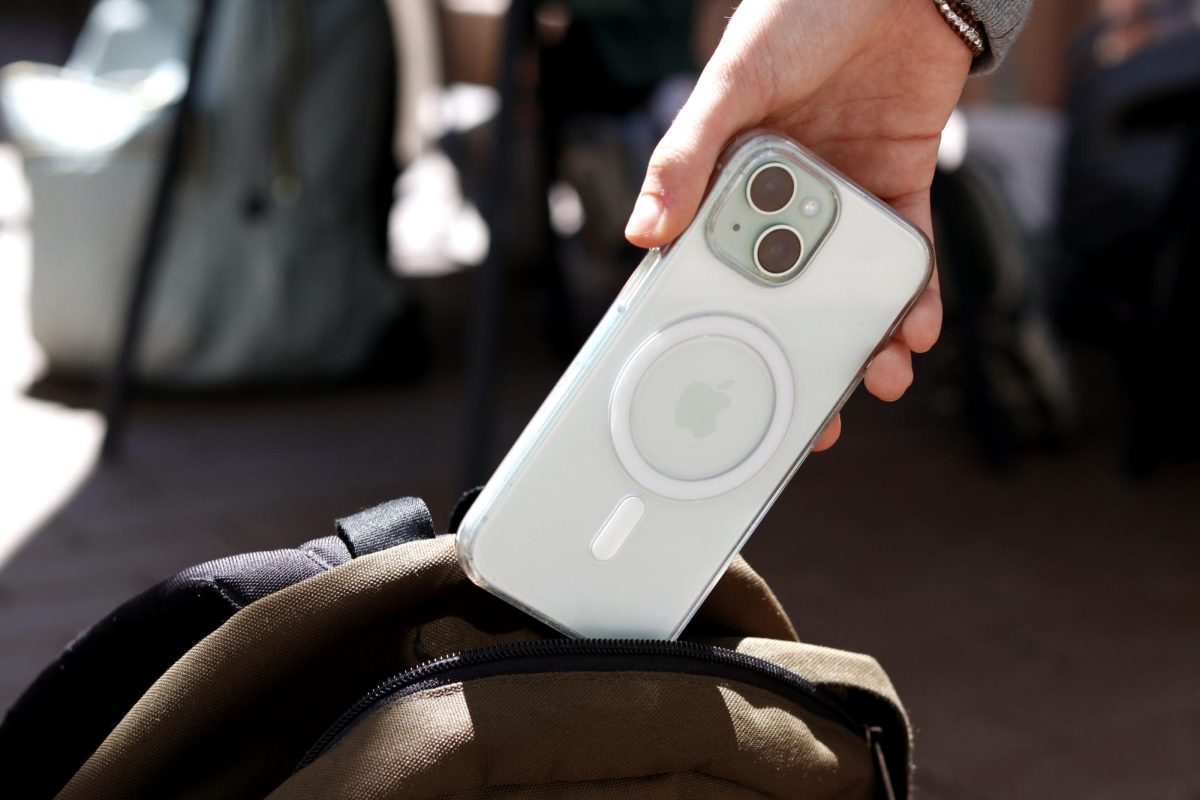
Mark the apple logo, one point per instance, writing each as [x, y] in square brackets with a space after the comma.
[698, 407]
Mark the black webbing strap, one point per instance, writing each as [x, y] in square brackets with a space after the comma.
[405, 519]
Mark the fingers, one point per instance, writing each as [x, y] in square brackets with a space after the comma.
[679, 170]
[923, 325]
[829, 436]
[890, 373]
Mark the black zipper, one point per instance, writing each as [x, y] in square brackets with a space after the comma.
[596, 655]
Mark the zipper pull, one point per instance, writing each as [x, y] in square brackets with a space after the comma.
[874, 742]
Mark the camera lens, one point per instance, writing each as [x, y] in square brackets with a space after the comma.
[778, 249]
[771, 188]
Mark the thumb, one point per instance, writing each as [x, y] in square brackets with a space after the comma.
[684, 159]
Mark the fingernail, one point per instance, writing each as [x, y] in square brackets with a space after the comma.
[644, 219]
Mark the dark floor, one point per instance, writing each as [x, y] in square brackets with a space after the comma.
[1043, 627]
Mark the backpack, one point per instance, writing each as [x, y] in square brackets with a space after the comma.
[367, 665]
[274, 264]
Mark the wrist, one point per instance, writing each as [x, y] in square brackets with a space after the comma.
[934, 41]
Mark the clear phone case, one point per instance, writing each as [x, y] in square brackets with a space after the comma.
[695, 399]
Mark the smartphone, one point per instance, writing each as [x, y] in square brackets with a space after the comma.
[696, 398]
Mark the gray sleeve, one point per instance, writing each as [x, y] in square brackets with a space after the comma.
[1002, 21]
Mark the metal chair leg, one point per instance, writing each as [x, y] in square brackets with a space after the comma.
[118, 390]
[490, 286]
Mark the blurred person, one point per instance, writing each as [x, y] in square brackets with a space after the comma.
[868, 86]
[1129, 26]
[611, 74]
[1119, 166]
[1127, 213]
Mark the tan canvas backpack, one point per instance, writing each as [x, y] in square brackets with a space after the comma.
[392, 676]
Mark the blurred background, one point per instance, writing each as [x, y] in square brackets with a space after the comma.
[264, 264]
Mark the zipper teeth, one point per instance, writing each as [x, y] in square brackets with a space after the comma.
[571, 647]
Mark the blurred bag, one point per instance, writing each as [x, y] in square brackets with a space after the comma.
[391, 675]
[275, 261]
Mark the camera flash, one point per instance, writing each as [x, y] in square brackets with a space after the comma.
[810, 207]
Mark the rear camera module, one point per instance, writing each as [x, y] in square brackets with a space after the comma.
[771, 188]
[778, 250]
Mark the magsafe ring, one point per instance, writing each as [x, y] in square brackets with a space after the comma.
[701, 406]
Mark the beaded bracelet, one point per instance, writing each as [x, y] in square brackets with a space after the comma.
[964, 22]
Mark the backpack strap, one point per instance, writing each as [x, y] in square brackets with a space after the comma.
[102, 673]
[406, 519]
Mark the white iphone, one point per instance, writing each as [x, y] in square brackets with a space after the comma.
[696, 398]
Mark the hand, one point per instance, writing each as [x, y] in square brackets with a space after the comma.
[867, 85]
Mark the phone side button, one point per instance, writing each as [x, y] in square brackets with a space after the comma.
[617, 527]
